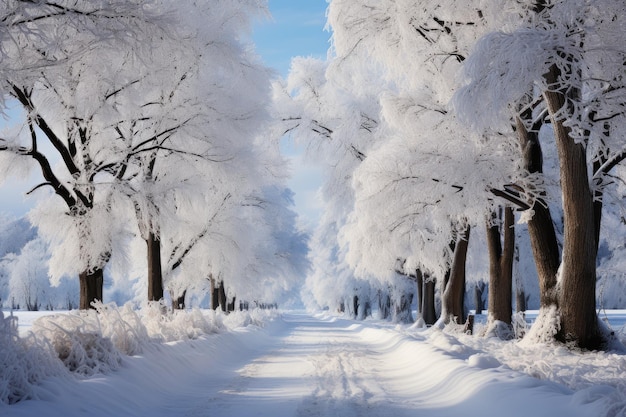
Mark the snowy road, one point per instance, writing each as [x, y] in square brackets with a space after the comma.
[305, 366]
[334, 367]
[314, 368]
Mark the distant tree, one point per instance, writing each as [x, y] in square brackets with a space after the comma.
[28, 276]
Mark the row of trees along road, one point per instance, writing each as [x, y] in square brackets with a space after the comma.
[145, 119]
[418, 156]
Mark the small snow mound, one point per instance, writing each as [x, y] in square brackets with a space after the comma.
[483, 361]
[500, 330]
[419, 324]
[448, 342]
[547, 324]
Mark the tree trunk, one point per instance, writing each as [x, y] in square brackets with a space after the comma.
[384, 304]
[541, 231]
[479, 303]
[155, 275]
[501, 268]
[178, 303]
[453, 308]
[215, 296]
[402, 309]
[91, 284]
[419, 279]
[428, 312]
[222, 296]
[577, 298]
[231, 306]
[520, 300]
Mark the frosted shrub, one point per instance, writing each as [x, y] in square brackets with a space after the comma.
[78, 341]
[256, 317]
[123, 326]
[171, 326]
[23, 363]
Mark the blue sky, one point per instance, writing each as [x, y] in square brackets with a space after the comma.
[296, 28]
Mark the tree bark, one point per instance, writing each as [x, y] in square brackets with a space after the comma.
[91, 285]
[215, 297]
[428, 312]
[384, 304]
[454, 293]
[155, 274]
[231, 306]
[501, 268]
[222, 296]
[541, 231]
[419, 279]
[577, 298]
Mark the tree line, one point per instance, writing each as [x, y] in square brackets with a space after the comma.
[434, 121]
[147, 121]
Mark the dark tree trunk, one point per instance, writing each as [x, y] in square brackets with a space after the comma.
[231, 306]
[215, 297]
[541, 231]
[419, 279]
[222, 296]
[91, 284]
[577, 298]
[428, 313]
[453, 307]
[355, 306]
[501, 253]
[155, 274]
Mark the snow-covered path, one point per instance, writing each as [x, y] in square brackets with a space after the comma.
[313, 368]
[303, 365]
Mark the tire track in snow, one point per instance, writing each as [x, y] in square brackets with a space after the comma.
[344, 383]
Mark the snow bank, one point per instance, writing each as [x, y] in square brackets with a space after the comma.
[24, 363]
[88, 343]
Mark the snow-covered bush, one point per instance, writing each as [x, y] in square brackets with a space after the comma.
[90, 342]
[78, 340]
[23, 363]
[177, 325]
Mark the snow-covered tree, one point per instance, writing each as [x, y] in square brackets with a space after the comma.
[428, 178]
[28, 276]
[165, 131]
[563, 61]
[53, 53]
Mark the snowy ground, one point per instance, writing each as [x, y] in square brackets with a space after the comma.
[318, 365]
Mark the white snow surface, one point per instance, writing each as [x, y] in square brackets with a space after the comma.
[304, 364]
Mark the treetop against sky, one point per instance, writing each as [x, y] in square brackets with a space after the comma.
[293, 29]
